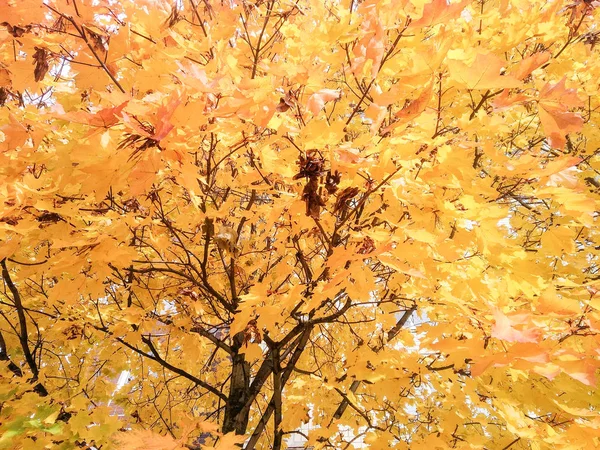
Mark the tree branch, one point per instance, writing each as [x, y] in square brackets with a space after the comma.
[4, 357]
[339, 412]
[156, 357]
[22, 332]
[284, 378]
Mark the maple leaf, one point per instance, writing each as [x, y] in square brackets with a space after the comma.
[529, 64]
[554, 104]
[146, 440]
[504, 328]
[505, 100]
[316, 102]
[103, 118]
[371, 47]
[556, 166]
[190, 243]
[485, 72]
[439, 11]
[160, 126]
[15, 134]
[412, 109]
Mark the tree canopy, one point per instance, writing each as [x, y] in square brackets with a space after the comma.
[224, 223]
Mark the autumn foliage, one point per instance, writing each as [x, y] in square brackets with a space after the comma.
[231, 223]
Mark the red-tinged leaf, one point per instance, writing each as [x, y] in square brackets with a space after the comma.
[505, 100]
[134, 125]
[160, 123]
[416, 106]
[559, 96]
[530, 352]
[525, 355]
[412, 110]
[316, 102]
[554, 104]
[348, 155]
[439, 11]
[197, 78]
[557, 124]
[529, 64]
[503, 329]
[372, 46]
[104, 118]
[480, 365]
[165, 112]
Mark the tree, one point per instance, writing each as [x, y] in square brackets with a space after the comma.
[240, 207]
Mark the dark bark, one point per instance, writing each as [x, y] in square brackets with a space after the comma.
[236, 415]
[23, 334]
[284, 377]
[277, 401]
[4, 357]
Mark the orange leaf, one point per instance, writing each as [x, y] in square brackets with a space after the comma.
[104, 118]
[413, 109]
[483, 73]
[162, 126]
[416, 106]
[559, 96]
[528, 65]
[557, 124]
[439, 11]
[505, 101]
[316, 102]
[503, 329]
[15, 134]
[557, 121]
[556, 166]
[372, 45]
[165, 112]
[580, 369]
[8, 248]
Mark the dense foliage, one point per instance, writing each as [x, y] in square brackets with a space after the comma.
[346, 221]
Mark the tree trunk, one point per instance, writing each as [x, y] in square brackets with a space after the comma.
[236, 419]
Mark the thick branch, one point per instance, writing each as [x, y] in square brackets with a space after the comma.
[285, 375]
[277, 406]
[4, 357]
[212, 338]
[23, 333]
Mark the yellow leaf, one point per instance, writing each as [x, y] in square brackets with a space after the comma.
[483, 73]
